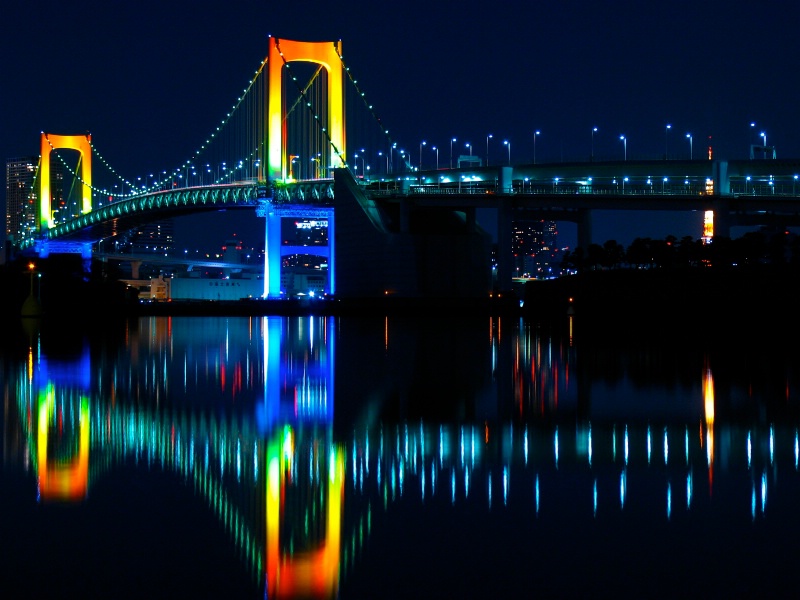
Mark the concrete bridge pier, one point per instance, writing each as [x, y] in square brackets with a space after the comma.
[722, 218]
[584, 228]
[272, 252]
[506, 180]
[505, 253]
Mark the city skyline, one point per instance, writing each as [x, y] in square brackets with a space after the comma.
[557, 83]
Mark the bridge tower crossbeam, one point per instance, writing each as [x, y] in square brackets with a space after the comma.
[327, 55]
[50, 142]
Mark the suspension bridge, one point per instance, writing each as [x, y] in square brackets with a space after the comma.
[282, 151]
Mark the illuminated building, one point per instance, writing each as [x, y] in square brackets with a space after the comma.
[534, 246]
[151, 237]
[22, 196]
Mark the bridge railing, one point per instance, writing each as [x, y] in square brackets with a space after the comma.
[689, 186]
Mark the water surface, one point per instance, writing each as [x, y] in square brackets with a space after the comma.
[397, 457]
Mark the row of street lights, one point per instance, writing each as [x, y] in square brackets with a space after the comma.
[594, 130]
[469, 147]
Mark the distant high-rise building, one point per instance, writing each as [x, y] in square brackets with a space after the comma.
[158, 236]
[534, 245]
[22, 197]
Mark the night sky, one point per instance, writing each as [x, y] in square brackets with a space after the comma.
[150, 80]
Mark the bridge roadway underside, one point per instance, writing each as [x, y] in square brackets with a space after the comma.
[385, 251]
[430, 245]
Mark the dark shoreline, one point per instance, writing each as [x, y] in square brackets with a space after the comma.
[621, 294]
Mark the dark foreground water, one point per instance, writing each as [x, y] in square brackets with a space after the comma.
[401, 457]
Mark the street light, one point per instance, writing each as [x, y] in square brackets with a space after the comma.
[387, 162]
[451, 152]
[689, 135]
[624, 146]
[591, 156]
[666, 138]
[507, 143]
[488, 137]
[535, 133]
[422, 143]
[436, 148]
[764, 135]
[468, 146]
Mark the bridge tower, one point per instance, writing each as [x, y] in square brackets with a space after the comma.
[325, 54]
[51, 142]
[282, 52]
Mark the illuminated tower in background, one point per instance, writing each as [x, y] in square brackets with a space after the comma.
[22, 195]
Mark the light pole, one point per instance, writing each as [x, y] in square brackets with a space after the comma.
[363, 165]
[469, 147]
[591, 156]
[423, 143]
[764, 135]
[507, 143]
[689, 135]
[624, 146]
[488, 137]
[535, 133]
[666, 140]
[387, 162]
[436, 149]
[451, 151]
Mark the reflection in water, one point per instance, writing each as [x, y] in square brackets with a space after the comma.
[242, 410]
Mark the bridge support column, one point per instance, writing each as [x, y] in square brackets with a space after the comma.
[405, 212]
[506, 180]
[505, 268]
[585, 229]
[722, 219]
[472, 221]
[332, 252]
[722, 183]
[272, 253]
[86, 256]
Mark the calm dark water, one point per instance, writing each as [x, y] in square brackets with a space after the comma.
[400, 457]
